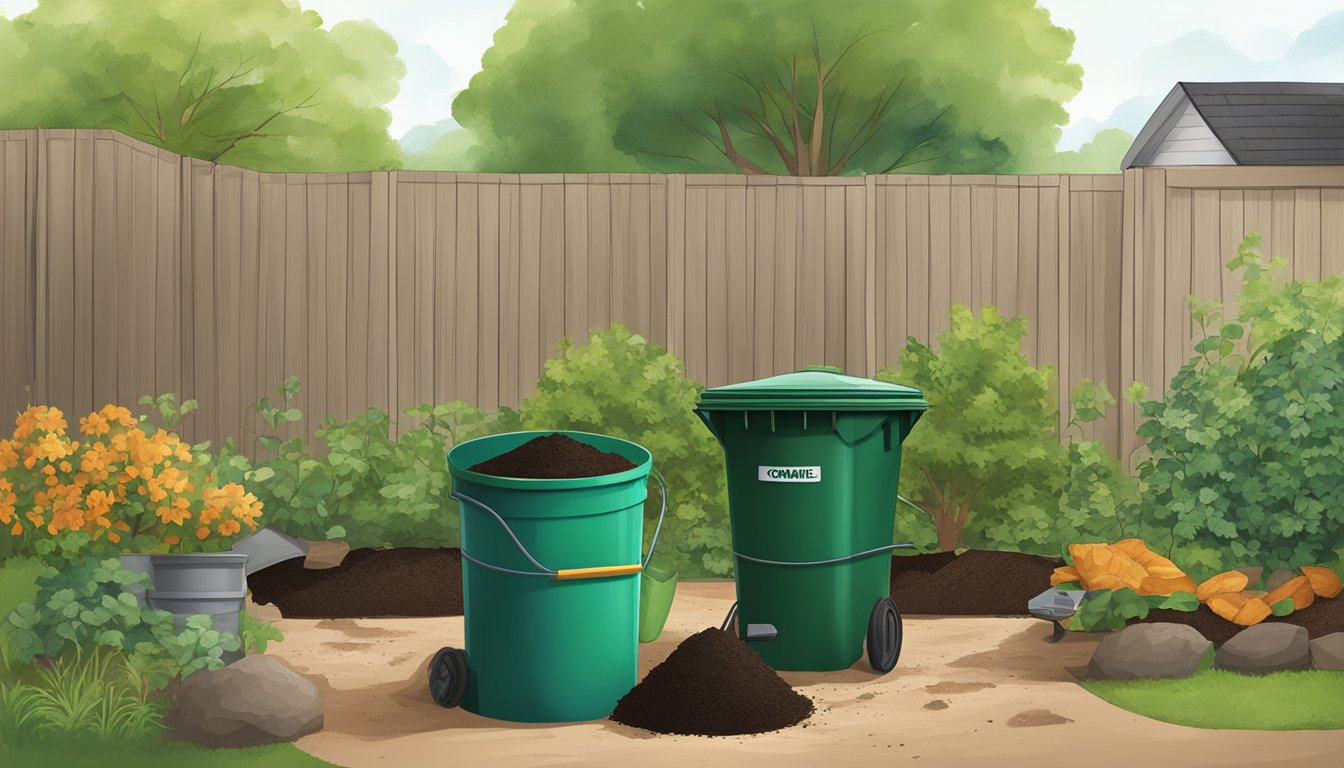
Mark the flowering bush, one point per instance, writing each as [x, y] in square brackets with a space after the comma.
[127, 486]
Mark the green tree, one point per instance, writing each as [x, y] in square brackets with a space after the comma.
[256, 83]
[1102, 154]
[667, 85]
[1247, 443]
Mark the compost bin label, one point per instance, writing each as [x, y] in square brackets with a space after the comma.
[789, 474]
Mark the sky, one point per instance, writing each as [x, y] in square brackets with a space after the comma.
[1132, 52]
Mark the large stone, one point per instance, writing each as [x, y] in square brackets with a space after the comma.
[256, 700]
[1279, 577]
[325, 554]
[1328, 652]
[1159, 649]
[1265, 648]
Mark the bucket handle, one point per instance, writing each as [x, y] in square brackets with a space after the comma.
[567, 574]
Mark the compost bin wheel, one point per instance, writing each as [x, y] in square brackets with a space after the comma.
[448, 676]
[884, 635]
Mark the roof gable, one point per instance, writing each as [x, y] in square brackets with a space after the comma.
[1257, 123]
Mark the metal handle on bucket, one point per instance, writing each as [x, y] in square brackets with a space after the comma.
[567, 574]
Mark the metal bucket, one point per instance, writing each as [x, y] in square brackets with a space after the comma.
[210, 583]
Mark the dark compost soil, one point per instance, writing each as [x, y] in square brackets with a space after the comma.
[554, 456]
[975, 582]
[1321, 618]
[712, 685]
[368, 583]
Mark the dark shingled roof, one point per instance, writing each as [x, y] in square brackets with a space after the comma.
[1274, 123]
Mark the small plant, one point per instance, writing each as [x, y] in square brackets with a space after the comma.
[1110, 610]
[1185, 602]
[256, 635]
[127, 486]
[86, 607]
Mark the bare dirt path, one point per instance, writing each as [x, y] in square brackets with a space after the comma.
[967, 692]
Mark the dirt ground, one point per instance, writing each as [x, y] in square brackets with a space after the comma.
[968, 691]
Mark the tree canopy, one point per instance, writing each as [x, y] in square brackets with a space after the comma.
[665, 85]
[255, 83]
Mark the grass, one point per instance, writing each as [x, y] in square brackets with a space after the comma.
[1211, 698]
[157, 755]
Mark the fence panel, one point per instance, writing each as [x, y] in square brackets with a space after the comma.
[127, 270]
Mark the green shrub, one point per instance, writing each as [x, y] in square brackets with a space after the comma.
[357, 482]
[1247, 444]
[985, 463]
[622, 385]
[85, 607]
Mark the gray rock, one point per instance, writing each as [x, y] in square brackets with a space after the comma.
[325, 554]
[1278, 577]
[1328, 652]
[1265, 648]
[1160, 649]
[256, 700]
[1253, 574]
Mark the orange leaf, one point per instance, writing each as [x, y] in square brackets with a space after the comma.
[1324, 582]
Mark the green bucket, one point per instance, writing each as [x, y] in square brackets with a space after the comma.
[550, 578]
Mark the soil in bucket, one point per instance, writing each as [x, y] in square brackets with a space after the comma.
[554, 456]
[712, 685]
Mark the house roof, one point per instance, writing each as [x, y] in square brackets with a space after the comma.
[1258, 123]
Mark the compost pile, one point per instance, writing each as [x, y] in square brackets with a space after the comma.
[975, 582]
[551, 457]
[712, 685]
[410, 581]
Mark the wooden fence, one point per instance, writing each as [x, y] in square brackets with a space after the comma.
[127, 270]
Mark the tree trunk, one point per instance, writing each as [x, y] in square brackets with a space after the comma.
[949, 527]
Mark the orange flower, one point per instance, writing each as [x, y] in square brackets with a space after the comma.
[17, 530]
[228, 528]
[50, 419]
[202, 532]
[172, 540]
[94, 424]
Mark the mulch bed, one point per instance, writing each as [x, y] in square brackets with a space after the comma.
[368, 583]
[975, 583]
[1321, 618]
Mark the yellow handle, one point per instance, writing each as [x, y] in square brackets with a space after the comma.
[565, 574]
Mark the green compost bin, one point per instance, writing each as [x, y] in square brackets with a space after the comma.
[550, 586]
[813, 459]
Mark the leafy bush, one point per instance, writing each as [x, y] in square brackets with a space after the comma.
[1247, 444]
[358, 483]
[128, 486]
[985, 463]
[86, 606]
[622, 385]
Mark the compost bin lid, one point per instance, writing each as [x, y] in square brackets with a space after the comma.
[813, 388]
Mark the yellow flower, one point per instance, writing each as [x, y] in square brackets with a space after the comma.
[52, 447]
